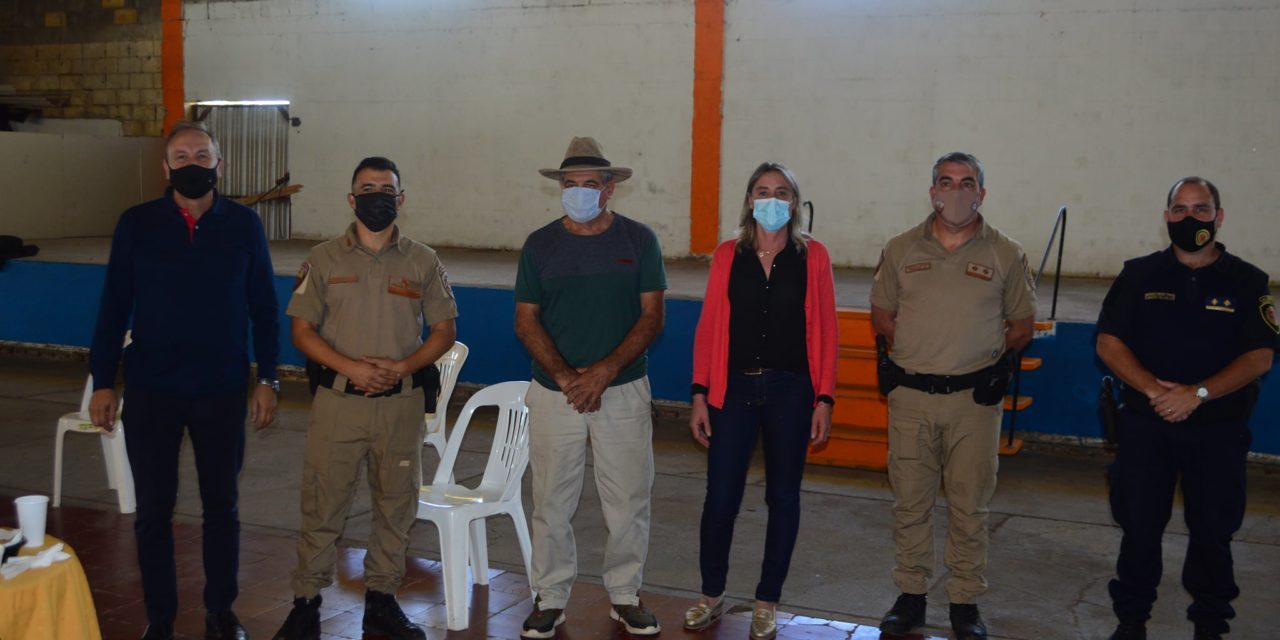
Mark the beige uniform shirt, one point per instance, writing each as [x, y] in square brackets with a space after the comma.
[367, 304]
[951, 307]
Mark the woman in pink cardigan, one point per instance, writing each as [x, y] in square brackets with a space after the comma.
[764, 361]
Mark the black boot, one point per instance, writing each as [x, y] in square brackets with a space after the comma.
[158, 632]
[1130, 631]
[223, 625]
[303, 622]
[382, 616]
[967, 623]
[1206, 632]
[907, 614]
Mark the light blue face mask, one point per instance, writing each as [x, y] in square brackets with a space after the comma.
[771, 213]
[581, 204]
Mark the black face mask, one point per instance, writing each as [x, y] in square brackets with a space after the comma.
[193, 181]
[376, 210]
[1190, 234]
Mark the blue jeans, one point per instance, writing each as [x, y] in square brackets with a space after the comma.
[153, 424]
[778, 404]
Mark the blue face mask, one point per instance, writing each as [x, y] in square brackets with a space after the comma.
[771, 213]
[581, 204]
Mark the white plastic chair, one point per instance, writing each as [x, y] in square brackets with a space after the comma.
[459, 513]
[450, 364]
[119, 475]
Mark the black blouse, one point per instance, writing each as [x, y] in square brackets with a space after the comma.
[766, 315]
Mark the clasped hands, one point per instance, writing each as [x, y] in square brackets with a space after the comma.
[371, 375]
[1175, 402]
[584, 386]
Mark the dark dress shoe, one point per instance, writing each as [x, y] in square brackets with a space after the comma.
[383, 616]
[967, 623]
[1130, 631]
[158, 632]
[303, 622]
[1203, 632]
[907, 614]
[223, 625]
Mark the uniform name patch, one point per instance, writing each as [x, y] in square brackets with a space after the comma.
[1159, 295]
[398, 286]
[1220, 304]
[1267, 307]
[919, 266]
[979, 271]
[343, 279]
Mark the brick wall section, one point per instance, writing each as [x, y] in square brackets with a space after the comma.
[101, 56]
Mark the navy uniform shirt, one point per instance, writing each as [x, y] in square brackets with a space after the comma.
[1185, 325]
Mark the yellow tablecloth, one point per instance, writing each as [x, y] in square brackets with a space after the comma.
[53, 602]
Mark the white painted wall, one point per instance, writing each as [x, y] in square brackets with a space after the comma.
[1096, 104]
[67, 185]
[469, 97]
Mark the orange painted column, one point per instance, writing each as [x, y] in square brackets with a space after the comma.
[171, 70]
[708, 96]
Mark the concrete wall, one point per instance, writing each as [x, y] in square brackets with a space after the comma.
[1094, 104]
[67, 185]
[1088, 103]
[469, 98]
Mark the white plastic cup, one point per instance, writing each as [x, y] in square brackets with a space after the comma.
[31, 518]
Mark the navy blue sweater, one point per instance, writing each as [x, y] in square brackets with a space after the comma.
[191, 297]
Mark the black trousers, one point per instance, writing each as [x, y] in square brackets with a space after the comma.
[153, 426]
[1210, 460]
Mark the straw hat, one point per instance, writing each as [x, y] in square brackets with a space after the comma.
[584, 154]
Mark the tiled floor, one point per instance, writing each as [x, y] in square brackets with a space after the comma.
[105, 544]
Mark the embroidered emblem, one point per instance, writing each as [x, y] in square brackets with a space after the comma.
[398, 286]
[1202, 236]
[919, 266]
[1026, 271]
[1220, 304]
[626, 261]
[444, 279]
[979, 271]
[1267, 307]
[1159, 295]
[343, 279]
[300, 285]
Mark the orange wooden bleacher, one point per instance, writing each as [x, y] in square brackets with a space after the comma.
[859, 429]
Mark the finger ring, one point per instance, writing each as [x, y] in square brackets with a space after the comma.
[1168, 410]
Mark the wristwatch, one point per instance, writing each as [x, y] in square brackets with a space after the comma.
[274, 384]
[1202, 393]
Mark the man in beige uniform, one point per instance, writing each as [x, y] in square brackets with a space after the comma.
[951, 296]
[358, 312]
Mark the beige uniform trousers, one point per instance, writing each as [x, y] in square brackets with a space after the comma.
[345, 430]
[621, 439]
[952, 440]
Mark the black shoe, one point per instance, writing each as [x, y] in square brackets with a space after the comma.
[303, 622]
[158, 632]
[967, 622]
[1203, 632]
[541, 623]
[223, 625]
[382, 616]
[907, 614]
[1130, 631]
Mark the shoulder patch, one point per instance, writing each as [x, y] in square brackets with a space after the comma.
[1267, 307]
[444, 278]
[1028, 273]
[876, 275]
[300, 284]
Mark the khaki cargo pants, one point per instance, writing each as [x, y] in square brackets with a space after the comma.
[345, 430]
[951, 440]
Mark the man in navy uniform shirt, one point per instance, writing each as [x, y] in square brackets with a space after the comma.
[1189, 330]
[192, 269]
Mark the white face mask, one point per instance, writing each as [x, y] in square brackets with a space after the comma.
[581, 204]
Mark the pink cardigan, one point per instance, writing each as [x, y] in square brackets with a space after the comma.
[711, 341]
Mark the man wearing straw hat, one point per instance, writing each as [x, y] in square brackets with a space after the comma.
[589, 300]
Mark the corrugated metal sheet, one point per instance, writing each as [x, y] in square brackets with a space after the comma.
[255, 151]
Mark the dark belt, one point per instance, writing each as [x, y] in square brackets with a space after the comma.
[327, 377]
[931, 383]
[755, 371]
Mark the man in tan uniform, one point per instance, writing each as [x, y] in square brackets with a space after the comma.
[954, 298]
[358, 309]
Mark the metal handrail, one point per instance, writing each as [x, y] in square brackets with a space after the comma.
[1060, 233]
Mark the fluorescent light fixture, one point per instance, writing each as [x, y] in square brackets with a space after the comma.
[243, 103]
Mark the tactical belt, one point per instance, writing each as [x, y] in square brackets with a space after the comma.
[328, 378]
[931, 383]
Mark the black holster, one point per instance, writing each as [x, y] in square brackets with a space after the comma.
[1108, 409]
[991, 386]
[886, 371]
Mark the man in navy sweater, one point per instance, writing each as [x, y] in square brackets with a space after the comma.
[192, 270]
